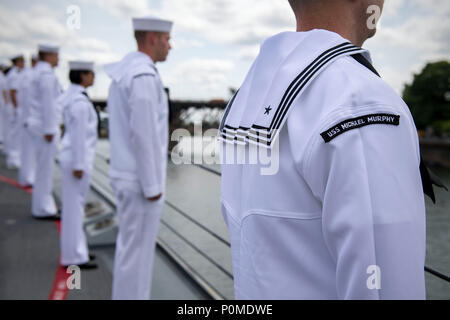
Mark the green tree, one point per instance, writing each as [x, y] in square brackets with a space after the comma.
[428, 96]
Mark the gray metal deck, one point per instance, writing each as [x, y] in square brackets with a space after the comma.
[192, 230]
[29, 251]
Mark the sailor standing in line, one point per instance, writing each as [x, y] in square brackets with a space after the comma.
[43, 121]
[27, 152]
[343, 216]
[76, 158]
[3, 101]
[14, 112]
[138, 125]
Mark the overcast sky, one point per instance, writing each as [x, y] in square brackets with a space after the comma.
[214, 41]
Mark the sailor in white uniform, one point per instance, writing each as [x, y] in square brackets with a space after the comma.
[3, 102]
[14, 112]
[343, 215]
[138, 132]
[27, 151]
[43, 122]
[76, 158]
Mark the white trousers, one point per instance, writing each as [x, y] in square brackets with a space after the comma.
[74, 248]
[136, 241]
[13, 151]
[43, 203]
[27, 158]
[5, 122]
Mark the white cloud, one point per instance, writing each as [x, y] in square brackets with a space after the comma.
[420, 34]
[208, 76]
[185, 43]
[239, 22]
[40, 24]
[121, 8]
[216, 40]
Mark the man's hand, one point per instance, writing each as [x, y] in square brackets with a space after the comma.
[78, 174]
[155, 198]
[48, 137]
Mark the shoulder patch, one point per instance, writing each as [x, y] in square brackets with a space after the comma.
[358, 122]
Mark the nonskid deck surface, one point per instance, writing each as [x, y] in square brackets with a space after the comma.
[29, 251]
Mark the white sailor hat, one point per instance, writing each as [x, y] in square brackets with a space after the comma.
[47, 48]
[151, 23]
[81, 65]
[16, 56]
[34, 57]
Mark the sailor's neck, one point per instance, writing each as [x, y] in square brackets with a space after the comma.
[346, 33]
[336, 19]
[148, 53]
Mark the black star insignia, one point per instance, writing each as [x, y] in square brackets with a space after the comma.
[268, 110]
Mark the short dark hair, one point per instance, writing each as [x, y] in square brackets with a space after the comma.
[75, 75]
[139, 35]
[15, 60]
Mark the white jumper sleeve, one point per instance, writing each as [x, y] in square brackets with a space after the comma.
[79, 114]
[13, 88]
[48, 100]
[368, 182]
[144, 135]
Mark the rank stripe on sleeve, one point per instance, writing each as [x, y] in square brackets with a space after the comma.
[358, 122]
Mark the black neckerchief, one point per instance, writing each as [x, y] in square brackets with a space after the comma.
[96, 112]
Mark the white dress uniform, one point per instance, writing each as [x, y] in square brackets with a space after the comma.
[3, 113]
[138, 133]
[77, 153]
[44, 118]
[344, 215]
[13, 134]
[27, 151]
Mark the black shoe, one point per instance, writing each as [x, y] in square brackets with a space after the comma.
[85, 266]
[88, 265]
[55, 217]
[92, 257]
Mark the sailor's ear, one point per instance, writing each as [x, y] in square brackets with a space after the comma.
[151, 38]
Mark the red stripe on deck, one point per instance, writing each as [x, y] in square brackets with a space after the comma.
[59, 289]
[14, 183]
